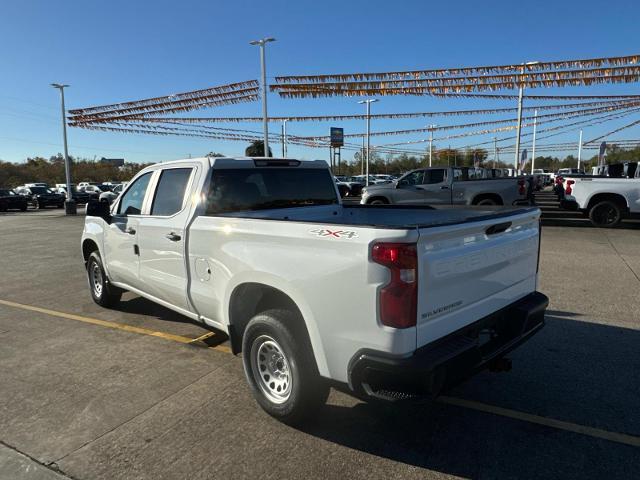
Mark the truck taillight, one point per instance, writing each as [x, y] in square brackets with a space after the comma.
[521, 188]
[398, 299]
[568, 190]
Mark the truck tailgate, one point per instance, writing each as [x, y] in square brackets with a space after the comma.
[470, 270]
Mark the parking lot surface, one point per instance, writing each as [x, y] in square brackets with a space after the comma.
[89, 393]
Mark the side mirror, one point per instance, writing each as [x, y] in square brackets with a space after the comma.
[96, 208]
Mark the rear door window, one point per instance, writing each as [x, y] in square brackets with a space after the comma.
[169, 195]
[435, 176]
[131, 203]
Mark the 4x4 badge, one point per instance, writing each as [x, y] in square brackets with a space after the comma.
[325, 232]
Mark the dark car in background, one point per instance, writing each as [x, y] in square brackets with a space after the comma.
[9, 200]
[80, 197]
[41, 197]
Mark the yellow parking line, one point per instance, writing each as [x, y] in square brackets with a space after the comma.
[115, 325]
[547, 422]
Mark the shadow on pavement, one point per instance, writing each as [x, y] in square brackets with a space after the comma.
[573, 371]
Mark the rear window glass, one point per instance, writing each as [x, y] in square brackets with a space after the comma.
[273, 187]
[170, 191]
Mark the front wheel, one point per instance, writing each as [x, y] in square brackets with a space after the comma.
[102, 292]
[605, 214]
[280, 367]
[378, 201]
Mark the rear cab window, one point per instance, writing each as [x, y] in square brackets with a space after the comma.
[247, 189]
[169, 196]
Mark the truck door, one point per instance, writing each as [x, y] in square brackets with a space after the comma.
[409, 189]
[436, 187]
[120, 243]
[161, 235]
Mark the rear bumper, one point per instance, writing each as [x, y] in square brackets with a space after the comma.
[449, 360]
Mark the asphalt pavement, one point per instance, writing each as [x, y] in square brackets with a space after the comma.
[89, 393]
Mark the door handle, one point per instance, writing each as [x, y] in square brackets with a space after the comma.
[173, 237]
[444, 187]
[131, 231]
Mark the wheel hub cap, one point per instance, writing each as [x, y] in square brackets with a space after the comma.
[270, 369]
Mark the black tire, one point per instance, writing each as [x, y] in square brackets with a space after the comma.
[606, 214]
[277, 354]
[61, 205]
[23, 208]
[485, 202]
[102, 292]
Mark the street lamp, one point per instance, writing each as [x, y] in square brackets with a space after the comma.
[70, 203]
[368, 103]
[430, 128]
[263, 68]
[520, 92]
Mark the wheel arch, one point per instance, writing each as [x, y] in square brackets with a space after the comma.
[486, 196]
[89, 245]
[608, 196]
[247, 299]
[378, 197]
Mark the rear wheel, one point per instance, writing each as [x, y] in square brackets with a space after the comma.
[102, 292]
[280, 367]
[486, 201]
[605, 214]
[378, 201]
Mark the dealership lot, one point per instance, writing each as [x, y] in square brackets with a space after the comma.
[124, 393]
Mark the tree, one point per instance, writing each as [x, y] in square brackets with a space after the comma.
[215, 155]
[256, 149]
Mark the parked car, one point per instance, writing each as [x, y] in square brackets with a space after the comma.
[96, 190]
[381, 304]
[111, 195]
[606, 201]
[570, 171]
[9, 200]
[41, 197]
[80, 197]
[447, 186]
[372, 179]
[355, 185]
[343, 188]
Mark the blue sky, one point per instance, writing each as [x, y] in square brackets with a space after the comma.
[125, 50]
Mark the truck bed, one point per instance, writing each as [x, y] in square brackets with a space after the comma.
[383, 216]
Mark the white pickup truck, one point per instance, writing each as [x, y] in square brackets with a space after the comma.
[605, 200]
[382, 302]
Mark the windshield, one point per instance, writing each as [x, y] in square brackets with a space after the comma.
[6, 192]
[266, 188]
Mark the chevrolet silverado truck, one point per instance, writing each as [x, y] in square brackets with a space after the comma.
[605, 200]
[384, 303]
[447, 186]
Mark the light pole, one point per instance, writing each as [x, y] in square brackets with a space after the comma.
[368, 103]
[70, 203]
[579, 149]
[263, 68]
[284, 138]
[533, 149]
[431, 127]
[520, 93]
[495, 151]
